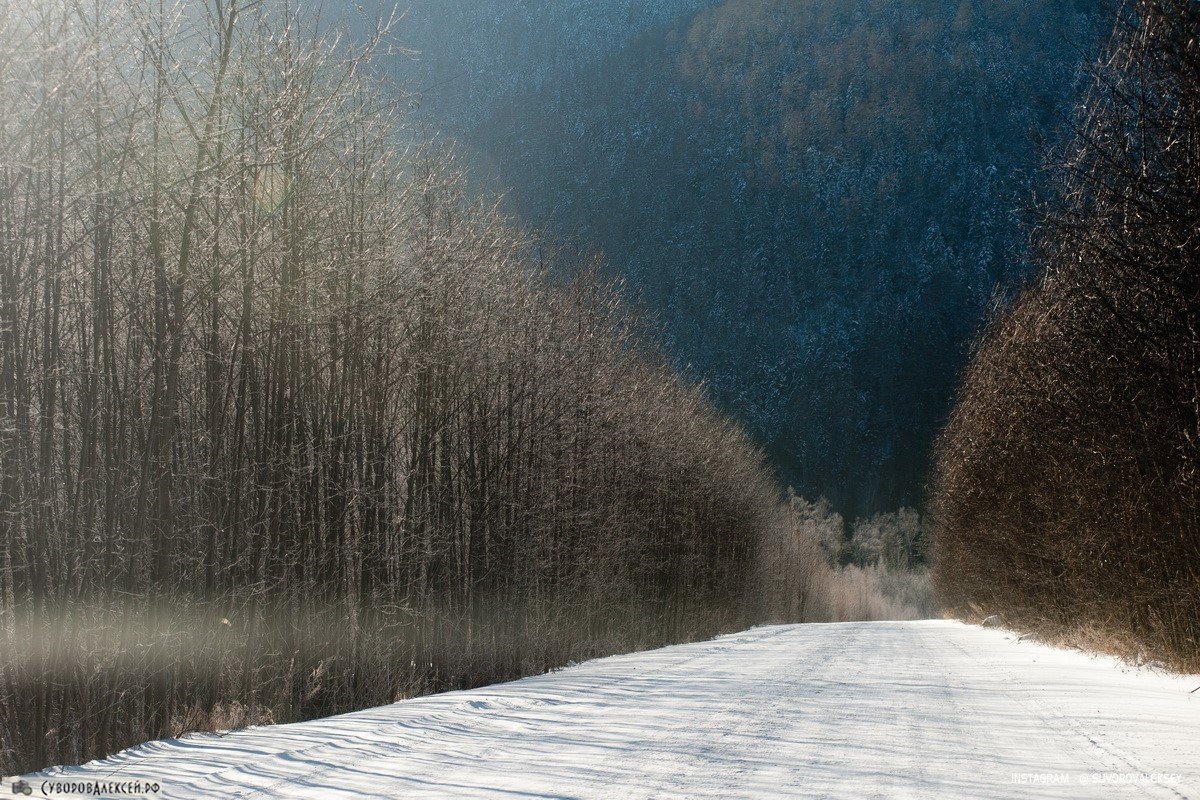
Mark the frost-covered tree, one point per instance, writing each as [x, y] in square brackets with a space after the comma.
[816, 521]
[894, 539]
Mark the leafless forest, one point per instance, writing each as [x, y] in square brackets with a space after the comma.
[293, 425]
[1068, 496]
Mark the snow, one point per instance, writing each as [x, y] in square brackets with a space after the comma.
[852, 710]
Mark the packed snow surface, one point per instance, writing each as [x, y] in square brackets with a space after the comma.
[854, 710]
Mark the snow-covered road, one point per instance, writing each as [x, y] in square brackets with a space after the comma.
[856, 710]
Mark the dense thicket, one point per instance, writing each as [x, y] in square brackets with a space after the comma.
[289, 425]
[1067, 492]
[816, 198]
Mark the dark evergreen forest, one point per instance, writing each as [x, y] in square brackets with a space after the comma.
[818, 201]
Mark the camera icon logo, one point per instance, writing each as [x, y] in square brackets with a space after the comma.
[22, 787]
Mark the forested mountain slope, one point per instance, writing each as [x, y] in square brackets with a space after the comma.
[818, 199]
[468, 58]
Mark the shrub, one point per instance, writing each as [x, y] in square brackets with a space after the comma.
[1067, 490]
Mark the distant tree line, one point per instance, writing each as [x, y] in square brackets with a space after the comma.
[875, 568]
[1068, 494]
[289, 424]
[893, 539]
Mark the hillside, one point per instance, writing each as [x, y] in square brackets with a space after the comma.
[817, 200]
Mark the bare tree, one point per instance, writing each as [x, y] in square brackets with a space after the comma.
[291, 424]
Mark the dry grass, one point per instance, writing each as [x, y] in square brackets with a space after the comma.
[853, 593]
[105, 679]
[1108, 638]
